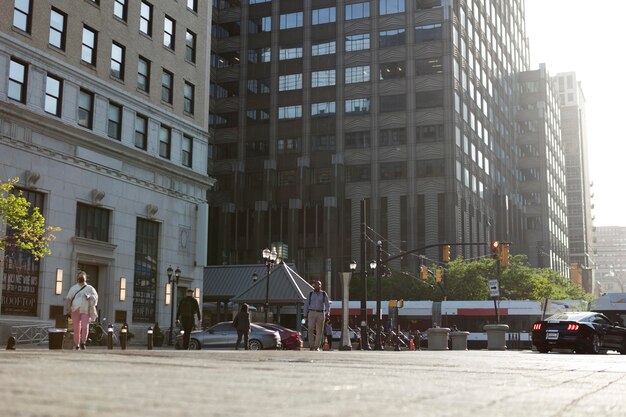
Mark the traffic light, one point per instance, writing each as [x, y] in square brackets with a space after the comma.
[393, 303]
[400, 303]
[505, 254]
[446, 253]
[424, 272]
[438, 275]
[495, 249]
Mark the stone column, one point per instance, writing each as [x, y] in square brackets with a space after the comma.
[345, 334]
[496, 336]
[459, 340]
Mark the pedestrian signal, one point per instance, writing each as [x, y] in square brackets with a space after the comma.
[495, 249]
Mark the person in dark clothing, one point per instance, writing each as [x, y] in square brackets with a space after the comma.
[242, 324]
[187, 309]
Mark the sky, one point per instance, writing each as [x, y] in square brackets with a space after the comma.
[587, 38]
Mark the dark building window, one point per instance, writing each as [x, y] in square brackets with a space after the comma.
[146, 268]
[392, 137]
[145, 18]
[358, 173]
[190, 46]
[321, 175]
[391, 70]
[392, 38]
[22, 14]
[143, 74]
[355, 140]
[428, 66]
[167, 80]
[18, 78]
[427, 4]
[286, 178]
[193, 5]
[392, 103]
[141, 129]
[393, 171]
[117, 60]
[85, 109]
[120, 9]
[427, 99]
[428, 33]
[114, 122]
[169, 32]
[92, 222]
[429, 133]
[187, 149]
[189, 98]
[165, 142]
[323, 142]
[257, 148]
[323, 109]
[430, 168]
[288, 145]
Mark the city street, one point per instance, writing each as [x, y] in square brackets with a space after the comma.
[97, 382]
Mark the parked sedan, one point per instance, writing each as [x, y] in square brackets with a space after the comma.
[289, 338]
[583, 332]
[224, 335]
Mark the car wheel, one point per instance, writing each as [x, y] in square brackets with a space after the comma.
[255, 345]
[543, 349]
[194, 344]
[594, 345]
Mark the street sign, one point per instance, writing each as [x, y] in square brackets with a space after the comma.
[494, 288]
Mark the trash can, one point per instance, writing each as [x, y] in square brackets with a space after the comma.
[438, 338]
[55, 338]
[459, 340]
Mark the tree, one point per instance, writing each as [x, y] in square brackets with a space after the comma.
[24, 225]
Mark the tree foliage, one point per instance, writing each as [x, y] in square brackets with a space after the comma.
[468, 281]
[25, 225]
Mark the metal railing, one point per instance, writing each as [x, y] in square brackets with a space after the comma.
[30, 334]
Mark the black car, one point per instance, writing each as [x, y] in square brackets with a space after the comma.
[583, 332]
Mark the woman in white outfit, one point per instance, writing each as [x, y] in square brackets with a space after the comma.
[79, 299]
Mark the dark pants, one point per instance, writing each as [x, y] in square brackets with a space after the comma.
[187, 323]
[241, 334]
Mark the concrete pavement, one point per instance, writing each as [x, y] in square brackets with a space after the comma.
[97, 382]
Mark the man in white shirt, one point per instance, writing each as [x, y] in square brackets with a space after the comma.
[79, 298]
[316, 309]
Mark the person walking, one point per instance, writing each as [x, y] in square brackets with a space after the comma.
[187, 309]
[316, 309]
[79, 299]
[242, 324]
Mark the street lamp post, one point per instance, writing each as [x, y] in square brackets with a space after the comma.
[270, 257]
[377, 264]
[345, 335]
[172, 279]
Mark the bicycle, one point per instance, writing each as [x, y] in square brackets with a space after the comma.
[99, 334]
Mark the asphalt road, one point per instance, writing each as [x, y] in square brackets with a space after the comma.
[97, 382]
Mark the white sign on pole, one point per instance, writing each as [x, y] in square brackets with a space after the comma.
[494, 288]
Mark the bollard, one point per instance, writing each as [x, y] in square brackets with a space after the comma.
[123, 336]
[150, 336]
[110, 338]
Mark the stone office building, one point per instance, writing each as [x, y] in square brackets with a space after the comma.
[103, 117]
[407, 105]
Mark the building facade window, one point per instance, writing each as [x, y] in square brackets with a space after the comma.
[18, 76]
[357, 10]
[391, 6]
[323, 142]
[357, 42]
[426, 33]
[85, 109]
[289, 53]
[22, 15]
[357, 140]
[357, 106]
[88, 52]
[290, 82]
[326, 15]
[193, 5]
[141, 132]
[358, 173]
[169, 32]
[288, 145]
[190, 46]
[114, 121]
[167, 81]
[145, 18]
[392, 137]
[291, 20]
[58, 26]
[324, 48]
[432, 168]
[117, 60]
[394, 37]
[54, 95]
[426, 99]
[393, 170]
[165, 142]
[392, 70]
[323, 109]
[143, 74]
[357, 74]
[323, 78]
[256, 56]
[287, 177]
[120, 9]
[145, 278]
[92, 222]
[428, 66]
[189, 98]
[290, 112]
[187, 151]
